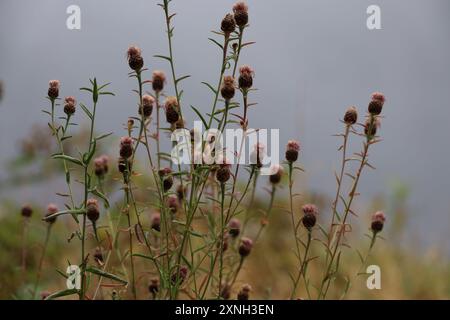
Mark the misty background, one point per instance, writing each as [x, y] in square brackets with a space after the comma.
[312, 60]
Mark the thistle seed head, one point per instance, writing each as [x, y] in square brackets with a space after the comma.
[228, 24]
[126, 147]
[135, 60]
[69, 105]
[292, 149]
[101, 166]
[310, 212]
[246, 246]
[244, 293]
[351, 116]
[378, 220]
[166, 177]
[92, 211]
[376, 104]
[155, 221]
[171, 107]
[234, 227]
[240, 10]
[27, 211]
[246, 75]
[228, 88]
[158, 80]
[278, 173]
[53, 89]
[51, 209]
[147, 106]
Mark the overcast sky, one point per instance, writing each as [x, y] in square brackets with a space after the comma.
[312, 59]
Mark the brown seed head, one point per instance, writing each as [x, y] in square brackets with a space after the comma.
[126, 147]
[228, 88]
[51, 209]
[378, 220]
[244, 293]
[234, 227]
[53, 89]
[240, 10]
[246, 246]
[27, 211]
[155, 221]
[92, 211]
[228, 24]
[351, 116]
[292, 149]
[246, 75]
[158, 80]
[278, 173]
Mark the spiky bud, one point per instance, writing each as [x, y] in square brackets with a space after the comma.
[126, 147]
[245, 247]
[351, 116]
[101, 166]
[245, 80]
[51, 209]
[69, 105]
[53, 89]
[278, 171]
[27, 211]
[376, 104]
[310, 212]
[92, 211]
[158, 80]
[244, 293]
[135, 60]
[378, 220]
[228, 88]
[155, 221]
[240, 10]
[181, 276]
[234, 227]
[147, 106]
[228, 24]
[172, 203]
[171, 107]
[292, 149]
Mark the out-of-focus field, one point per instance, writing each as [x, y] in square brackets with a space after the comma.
[406, 271]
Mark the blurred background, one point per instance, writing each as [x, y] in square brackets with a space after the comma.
[312, 59]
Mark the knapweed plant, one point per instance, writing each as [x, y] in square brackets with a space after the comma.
[150, 226]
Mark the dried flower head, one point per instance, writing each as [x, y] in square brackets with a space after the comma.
[225, 291]
[228, 24]
[228, 88]
[155, 221]
[51, 209]
[351, 116]
[246, 75]
[126, 147]
[310, 212]
[378, 220]
[181, 276]
[135, 60]
[167, 179]
[245, 247]
[240, 10]
[98, 256]
[234, 227]
[147, 106]
[172, 203]
[53, 89]
[244, 293]
[158, 80]
[292, 149]
[69, 105]
[278, 171]
[171, 106]
[101, 166]
[376, 104]
[92, 211]
[27, 211]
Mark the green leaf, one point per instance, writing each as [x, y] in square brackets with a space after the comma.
[217, 43]
[105, 274]
[210, 87]
[181, 79]
[68, 158]
[103, 136]
[62, 293]
[201, 117]
[163, 57]
[107, 93]
[60, 213]
[100, 195]
[86, 110]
